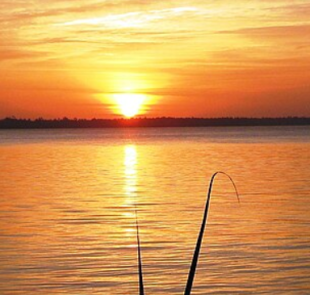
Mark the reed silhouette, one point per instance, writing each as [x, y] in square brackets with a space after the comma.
[192, 272]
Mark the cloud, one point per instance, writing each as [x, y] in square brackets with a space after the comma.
[295, 31]
[27, 12]
[11, 53]
[31, 11]
[132, 19]
[300, 10]
[287, 39]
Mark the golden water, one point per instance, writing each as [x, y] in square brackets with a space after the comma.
[67, 222]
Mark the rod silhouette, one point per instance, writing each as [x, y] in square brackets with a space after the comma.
[192, 271]
[141, 287]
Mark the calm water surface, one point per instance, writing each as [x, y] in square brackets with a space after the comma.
[67, 200]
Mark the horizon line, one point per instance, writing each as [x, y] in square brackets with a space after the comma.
[153, 118]
[138, 122]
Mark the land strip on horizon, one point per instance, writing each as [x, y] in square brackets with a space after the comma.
[40, 123]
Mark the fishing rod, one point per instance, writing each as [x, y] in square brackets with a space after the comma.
[192, 271]
[193, 267]
[141, 286]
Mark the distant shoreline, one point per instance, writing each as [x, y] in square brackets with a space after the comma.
[13, 123]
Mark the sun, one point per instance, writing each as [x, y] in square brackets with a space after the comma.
[129, 104]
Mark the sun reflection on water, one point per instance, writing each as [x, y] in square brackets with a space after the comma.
[130, 163]
[130, 186]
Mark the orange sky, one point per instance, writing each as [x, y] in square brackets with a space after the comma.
[186, 58]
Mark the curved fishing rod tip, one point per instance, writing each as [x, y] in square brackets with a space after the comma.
[232, 181]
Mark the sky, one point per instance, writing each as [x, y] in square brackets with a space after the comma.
[178, 58]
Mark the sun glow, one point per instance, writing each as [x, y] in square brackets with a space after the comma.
[130, 104]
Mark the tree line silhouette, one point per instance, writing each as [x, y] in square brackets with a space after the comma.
[40, 123]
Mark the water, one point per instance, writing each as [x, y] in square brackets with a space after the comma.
[67, 200]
